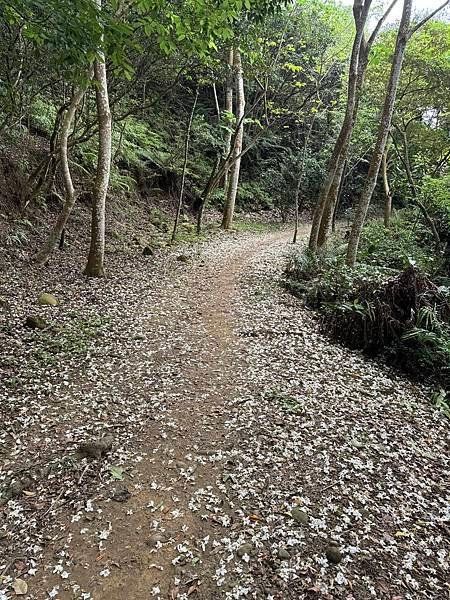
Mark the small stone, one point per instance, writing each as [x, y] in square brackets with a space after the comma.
[182, 258]
[283, 554]
[95, 449]
[333, 554]
[299, 516]
[148, 251]
[47, 300]
[157, 538]
[34, 322]
[15, 489]
[244, 549]
[121, 495]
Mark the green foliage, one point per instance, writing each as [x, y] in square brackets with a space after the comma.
[252, 196]
[383, 305]
[421, 119]
[435, 194]
[42, 115]
[324, 281]
[139, 143]
[254, 226]
[406, 242]
[441, 400]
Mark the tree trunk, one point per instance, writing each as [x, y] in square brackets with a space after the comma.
[183, 175]
[95, 263]
[228, 110]
[49, 245]
[360, 12]
[297, 210]
[387, 190]
[338, 199]
[236, 155]
[330, 205]
[383, 132]
[210, 186]
[412, 185]
[355, 80]
[45, 172]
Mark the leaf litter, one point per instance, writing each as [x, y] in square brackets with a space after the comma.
[250, 456]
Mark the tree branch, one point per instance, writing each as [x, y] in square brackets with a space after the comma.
[379, 25]
[427, 18]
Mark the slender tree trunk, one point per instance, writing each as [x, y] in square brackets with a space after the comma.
[430, 221]
[387, 190]
[236, 155]
[297, 209]
[46, 170]
[183, 174]
[49, 245]
[383, 132]
[209, 188]
[330, 205]
[355, 77]
[328, 197]
[229, 111]
[95, 263]
[338, 199]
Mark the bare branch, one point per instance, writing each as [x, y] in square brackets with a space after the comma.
[427, 18]
[379, 25]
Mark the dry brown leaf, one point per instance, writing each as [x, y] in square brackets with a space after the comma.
[256, 518]
[20, 587]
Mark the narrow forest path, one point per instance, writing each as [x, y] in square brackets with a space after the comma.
[247, 449]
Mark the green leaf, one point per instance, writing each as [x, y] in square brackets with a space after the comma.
[116, 472]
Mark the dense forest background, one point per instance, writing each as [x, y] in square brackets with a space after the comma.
[151, 120]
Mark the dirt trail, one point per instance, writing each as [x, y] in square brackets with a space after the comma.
[154, 526]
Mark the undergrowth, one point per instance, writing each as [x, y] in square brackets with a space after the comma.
[395, 303]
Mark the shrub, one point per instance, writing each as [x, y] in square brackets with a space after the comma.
[252, 196]
[406, 242]
[402, 315]
[42, 115]
[323, 278]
